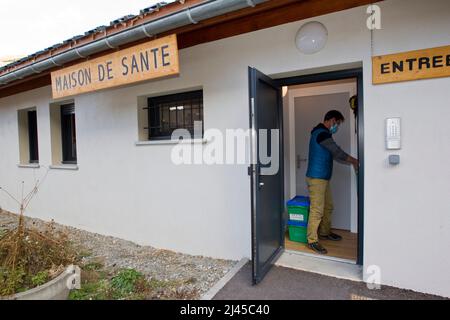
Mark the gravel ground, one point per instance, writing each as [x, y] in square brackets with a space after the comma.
[191, 275]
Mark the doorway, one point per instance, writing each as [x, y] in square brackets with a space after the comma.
[305, 106]
[268, 214]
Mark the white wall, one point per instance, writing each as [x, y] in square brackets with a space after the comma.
[136, 193]
[407, 219]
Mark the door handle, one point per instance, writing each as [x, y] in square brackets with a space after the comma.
[261, 184]
[299, 161]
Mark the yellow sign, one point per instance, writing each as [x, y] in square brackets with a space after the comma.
[151, 60]
[413, 65]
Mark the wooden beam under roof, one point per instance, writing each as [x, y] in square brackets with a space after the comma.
[265, 15]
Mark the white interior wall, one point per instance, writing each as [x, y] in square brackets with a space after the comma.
[136, 193]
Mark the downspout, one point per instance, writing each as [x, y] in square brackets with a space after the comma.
[192, 15]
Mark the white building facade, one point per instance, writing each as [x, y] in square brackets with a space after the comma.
[133, 190]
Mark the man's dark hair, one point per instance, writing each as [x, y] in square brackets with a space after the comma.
[334, 114]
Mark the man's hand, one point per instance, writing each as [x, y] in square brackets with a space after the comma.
[354, 162]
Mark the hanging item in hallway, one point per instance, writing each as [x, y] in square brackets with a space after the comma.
[354, 105]
[150, 60]
[413, 65]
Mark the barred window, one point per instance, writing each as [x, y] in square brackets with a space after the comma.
[175, 111]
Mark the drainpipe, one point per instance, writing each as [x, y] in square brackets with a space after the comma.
[192, 15]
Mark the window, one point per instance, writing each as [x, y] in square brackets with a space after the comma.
[33, 136]
[68, 134]
[175, 111]
[63, 135]
[28, 136]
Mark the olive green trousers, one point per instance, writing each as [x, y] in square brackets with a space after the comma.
[321, 208]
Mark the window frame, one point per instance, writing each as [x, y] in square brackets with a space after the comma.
[190, 100]
[68, 134]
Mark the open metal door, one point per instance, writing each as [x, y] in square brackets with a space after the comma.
[266, 171]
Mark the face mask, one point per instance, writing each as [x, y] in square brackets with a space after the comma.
[334, 128]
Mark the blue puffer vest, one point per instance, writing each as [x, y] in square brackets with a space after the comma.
[320, 161]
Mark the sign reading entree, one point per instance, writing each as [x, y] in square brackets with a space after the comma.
[412, 65]
[151, 60]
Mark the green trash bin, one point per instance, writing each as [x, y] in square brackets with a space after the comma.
[298, 209]
[298, 231]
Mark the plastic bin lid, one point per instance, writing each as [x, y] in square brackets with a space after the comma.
[299, 201]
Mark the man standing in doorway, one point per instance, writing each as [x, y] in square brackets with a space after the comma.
[322, 151]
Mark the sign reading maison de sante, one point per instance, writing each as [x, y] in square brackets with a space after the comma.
[151, 60]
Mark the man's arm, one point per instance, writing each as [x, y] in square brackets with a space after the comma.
[326, 140]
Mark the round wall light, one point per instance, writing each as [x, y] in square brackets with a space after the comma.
[311, 38]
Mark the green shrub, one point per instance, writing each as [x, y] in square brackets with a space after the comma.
[40, 278]
[126, 281]
[12, 281]
[128, 284]
[99, 290]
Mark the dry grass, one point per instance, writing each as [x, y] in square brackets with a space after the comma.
[27, 253]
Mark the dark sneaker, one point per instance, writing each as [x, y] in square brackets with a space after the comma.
[332, 237]
[317, 247]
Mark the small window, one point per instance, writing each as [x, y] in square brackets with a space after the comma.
[175, 111]
[68, 134]
[33, 136]
[28, 136]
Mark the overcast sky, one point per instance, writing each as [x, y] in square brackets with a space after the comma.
[29, 26]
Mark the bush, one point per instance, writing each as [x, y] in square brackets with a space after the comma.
[40, 278]
[126, 282]
[12, 281]
[99, 290]
[29, 258]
